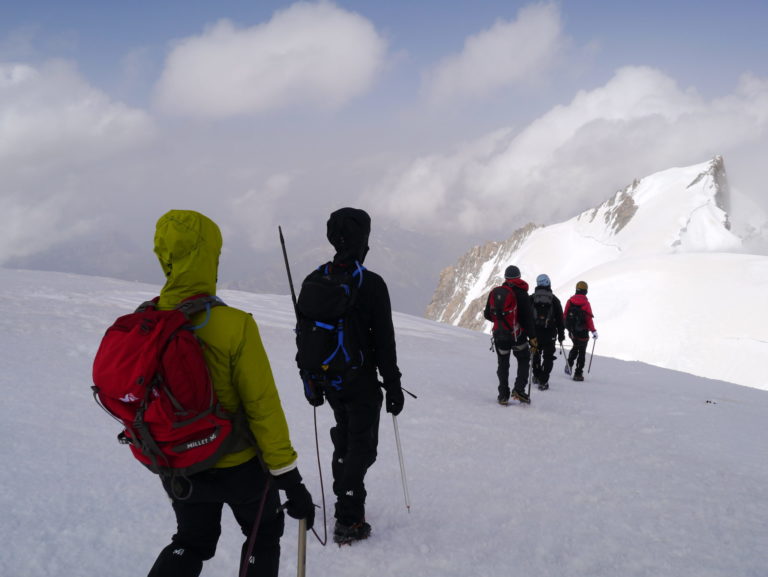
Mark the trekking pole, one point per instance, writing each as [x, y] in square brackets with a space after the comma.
[594, 341]
[530, 379]
[402, 465]
[324, 540]
[301, 562]
[562, 352]
[288, 270]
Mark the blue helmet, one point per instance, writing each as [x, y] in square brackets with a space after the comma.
[543, 280]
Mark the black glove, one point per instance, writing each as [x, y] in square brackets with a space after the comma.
[299, 504]
[561, 338]
[312, 390]
[394, 398]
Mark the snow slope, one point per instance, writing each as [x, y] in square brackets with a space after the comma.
[638, 471]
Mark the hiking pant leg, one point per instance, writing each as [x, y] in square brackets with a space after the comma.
[502, 372]
[197, 533]
[264, 560]
[536, 363]
[548, 358]
[581, 348]
[574, 352]
[523, 367]
[355, 441]
[243, 489]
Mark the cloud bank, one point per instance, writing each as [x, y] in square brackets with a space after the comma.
[506, 54]
[308, 54]
[565, 161]
[54, 128]
[80, 168]
[51, 111]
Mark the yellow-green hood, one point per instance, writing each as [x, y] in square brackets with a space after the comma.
[188, 245]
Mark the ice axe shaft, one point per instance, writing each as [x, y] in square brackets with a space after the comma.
[402, 465]
[301, 562]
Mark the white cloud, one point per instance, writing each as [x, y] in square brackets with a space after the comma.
[54, 127]
[308, 54]
[506, 54]
[51, 115]
[254, 212]
[574, 156]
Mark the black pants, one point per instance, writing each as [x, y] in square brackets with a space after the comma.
[544, 358]
[523, 357]
[578, 353]
[198, 521]
[356, 409]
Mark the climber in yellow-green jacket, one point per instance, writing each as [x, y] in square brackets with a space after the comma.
[188, 245]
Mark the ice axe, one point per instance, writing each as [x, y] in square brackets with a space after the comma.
[301, 562]
[592, 354]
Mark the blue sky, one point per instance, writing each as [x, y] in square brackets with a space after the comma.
[687, 38]
[461, 120]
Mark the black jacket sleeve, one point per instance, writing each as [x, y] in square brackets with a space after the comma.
[487, 311]
[376, 313]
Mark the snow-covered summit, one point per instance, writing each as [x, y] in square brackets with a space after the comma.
[679, 210]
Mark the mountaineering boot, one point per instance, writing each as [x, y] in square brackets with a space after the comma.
[521, 396]
[544, 386]
[346, 534]
[578, 377]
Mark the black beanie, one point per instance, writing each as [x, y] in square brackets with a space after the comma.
[512, 272]
[348, 231]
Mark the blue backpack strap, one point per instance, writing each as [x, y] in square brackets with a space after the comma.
[359, 273]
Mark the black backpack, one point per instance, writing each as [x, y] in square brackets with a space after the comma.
[506, 328]
[543, 308]
[576, 319]
[329, 348]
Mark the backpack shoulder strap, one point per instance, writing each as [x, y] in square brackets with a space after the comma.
[191, 306]
[147, 305]
[199, 303]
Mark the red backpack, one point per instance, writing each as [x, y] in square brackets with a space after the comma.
[150, 374]
[506, 328]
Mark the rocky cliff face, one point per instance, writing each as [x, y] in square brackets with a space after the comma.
[676, 210]
[449, 303]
